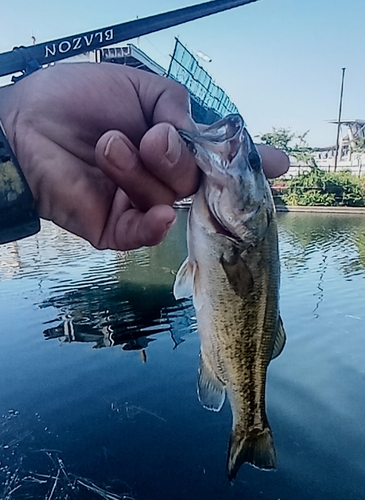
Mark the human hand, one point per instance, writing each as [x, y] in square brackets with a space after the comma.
[99, 148]
[62, 121]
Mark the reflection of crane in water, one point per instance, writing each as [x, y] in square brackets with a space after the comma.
[104, 337]
[112, 315]
[320, 293]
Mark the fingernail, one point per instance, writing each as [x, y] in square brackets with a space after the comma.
[169, 226]
[109, 151]
[171, 223]
[174, 150]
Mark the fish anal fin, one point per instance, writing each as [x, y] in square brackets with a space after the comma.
[239, 275]
[280, 339]
[255, 448]
[211, 391]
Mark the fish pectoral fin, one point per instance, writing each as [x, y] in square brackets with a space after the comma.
[280, 340]
[183, 286]
[211, 391]
[239, 276]
[187, 283]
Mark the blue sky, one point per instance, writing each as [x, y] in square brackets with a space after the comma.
[279, 60]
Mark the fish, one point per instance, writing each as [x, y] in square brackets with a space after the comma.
[233, 274]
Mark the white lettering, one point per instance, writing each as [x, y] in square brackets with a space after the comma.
[64, 46]
[89, 40]
[77, 43]
[109, 35]
[50, 51]
[100, 35]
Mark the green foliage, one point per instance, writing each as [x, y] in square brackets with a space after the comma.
[315, 187]
[310, 198]
[279, 138]
[282, 138]
[325, 188]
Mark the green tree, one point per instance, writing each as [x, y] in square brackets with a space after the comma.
[302, 152]
[283, 138]
[279, 138]
[325, 188]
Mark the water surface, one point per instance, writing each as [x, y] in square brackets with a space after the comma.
[98, 368]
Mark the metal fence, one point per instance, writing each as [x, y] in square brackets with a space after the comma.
[185, 69]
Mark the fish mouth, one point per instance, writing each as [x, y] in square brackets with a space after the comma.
[188, 141]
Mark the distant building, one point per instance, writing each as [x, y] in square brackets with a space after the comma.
[349, 156]
[131, 56]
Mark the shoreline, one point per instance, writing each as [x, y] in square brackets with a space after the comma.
[320, 209]
[181, 205]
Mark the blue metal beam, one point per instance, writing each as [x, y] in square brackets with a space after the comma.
[23, 58]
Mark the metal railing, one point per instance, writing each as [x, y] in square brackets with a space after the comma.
[185, 69]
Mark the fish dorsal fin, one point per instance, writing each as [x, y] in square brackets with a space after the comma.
[280, 340]
[211, 392]
[187, 283]
[239, 275]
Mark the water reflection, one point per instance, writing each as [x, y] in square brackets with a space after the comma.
[123, 313]
[314, 236]
[98, 407]
[121, 300]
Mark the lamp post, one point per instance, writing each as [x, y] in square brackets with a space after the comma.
[339, 118]
[203, 56]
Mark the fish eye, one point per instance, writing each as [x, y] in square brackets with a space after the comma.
[255, 160]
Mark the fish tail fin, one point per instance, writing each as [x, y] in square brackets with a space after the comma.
[256, 448]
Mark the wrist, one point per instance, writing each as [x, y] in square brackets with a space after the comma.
[6, 115]
[18, 217]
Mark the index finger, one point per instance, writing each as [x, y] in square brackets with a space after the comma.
[164, 100]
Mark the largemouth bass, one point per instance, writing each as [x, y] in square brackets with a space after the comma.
[232, 272]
